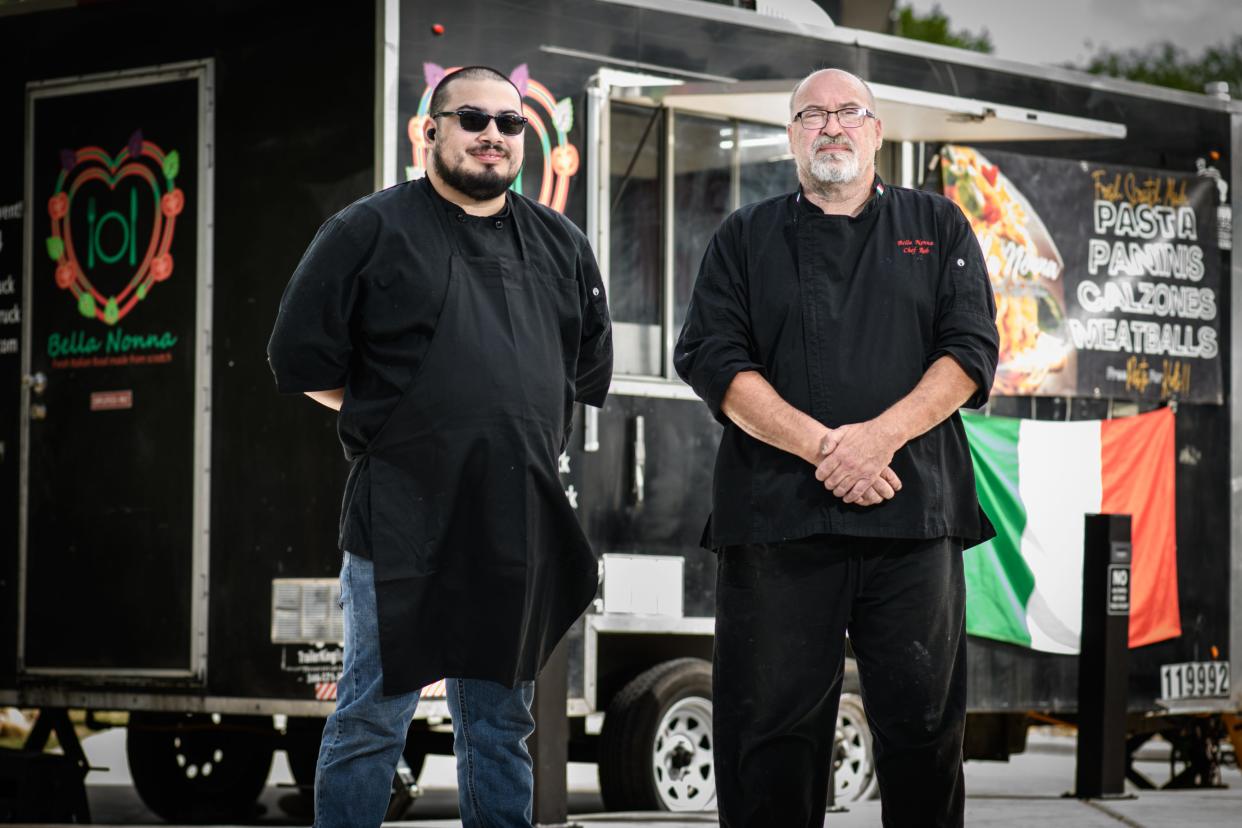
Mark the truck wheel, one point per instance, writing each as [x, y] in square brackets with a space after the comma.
[656, 745]
[302, 737]
[190, 767]
[417, 746]
[301, 744]
[853, 755]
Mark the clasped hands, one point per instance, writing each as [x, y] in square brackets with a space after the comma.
[854, 463]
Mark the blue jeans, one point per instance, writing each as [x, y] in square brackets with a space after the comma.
[363, 738]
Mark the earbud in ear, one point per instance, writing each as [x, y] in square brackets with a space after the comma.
[431, 134]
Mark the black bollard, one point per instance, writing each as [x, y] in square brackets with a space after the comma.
[1104, 658]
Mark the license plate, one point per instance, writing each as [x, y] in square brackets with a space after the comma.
[1194, 680]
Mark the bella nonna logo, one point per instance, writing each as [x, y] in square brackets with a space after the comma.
[113, 219]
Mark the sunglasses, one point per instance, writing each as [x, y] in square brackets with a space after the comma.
[472, 120]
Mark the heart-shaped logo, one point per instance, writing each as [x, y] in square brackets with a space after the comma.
[139, 187]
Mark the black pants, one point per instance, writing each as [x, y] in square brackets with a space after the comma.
[782, 611]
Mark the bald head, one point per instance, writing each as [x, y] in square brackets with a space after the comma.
[834, 160]
[866, 97]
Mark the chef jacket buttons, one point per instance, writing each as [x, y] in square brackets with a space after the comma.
[961, 262]
[461, 217]
[499, 224]
[595, 291]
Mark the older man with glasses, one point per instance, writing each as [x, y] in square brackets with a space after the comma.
[834, 332]
[453, 323]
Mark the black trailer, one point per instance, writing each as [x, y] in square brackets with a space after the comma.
[169, 543]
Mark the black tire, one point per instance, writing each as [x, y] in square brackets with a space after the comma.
[415, 751]
[199, 768]
[302, 738]
[630, 777]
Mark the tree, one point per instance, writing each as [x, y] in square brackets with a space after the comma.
[933, 27]
[1166, 64]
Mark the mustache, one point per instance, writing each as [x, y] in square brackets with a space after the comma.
[830, 140]
[484, 145]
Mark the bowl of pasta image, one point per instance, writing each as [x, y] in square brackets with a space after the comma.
[1025, 268]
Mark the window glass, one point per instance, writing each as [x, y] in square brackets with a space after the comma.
[888, 162]
[717, 165]
[766, 165]
[635, 261]
[703, 195]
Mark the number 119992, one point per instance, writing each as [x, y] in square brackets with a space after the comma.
[1194, 680]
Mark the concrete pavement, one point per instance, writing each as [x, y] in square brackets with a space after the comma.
[1024, 791]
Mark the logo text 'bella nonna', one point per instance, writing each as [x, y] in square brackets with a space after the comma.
[116, 341]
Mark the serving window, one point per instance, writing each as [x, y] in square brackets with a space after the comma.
[673, 177]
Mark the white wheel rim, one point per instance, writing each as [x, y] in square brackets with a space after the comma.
[681, 758]
[852, 754]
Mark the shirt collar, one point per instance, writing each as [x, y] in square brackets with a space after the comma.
[878, 189]
[455, 210]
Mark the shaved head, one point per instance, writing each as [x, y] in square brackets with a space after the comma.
[869, 97]
[439, 98]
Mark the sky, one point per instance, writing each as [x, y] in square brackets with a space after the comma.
[1059, 31]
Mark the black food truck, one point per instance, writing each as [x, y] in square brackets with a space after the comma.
[168, 540]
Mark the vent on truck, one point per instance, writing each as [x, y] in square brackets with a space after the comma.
[306, 610]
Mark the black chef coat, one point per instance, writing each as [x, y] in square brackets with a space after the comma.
[842, 315]
[357, 315]
[480, 564]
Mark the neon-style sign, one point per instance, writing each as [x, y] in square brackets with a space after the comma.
[560, 161]
[111, 237]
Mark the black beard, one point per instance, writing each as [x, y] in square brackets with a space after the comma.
[481, 186]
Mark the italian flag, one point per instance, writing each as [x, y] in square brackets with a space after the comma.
[1036, 479]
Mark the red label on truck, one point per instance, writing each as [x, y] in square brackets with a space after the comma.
[111, 400]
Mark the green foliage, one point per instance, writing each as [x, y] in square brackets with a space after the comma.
[934, 28]
[1166, 64]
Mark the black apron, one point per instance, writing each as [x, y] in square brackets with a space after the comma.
[480, 564]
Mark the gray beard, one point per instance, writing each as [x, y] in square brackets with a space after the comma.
[825, 171]
[481, 186]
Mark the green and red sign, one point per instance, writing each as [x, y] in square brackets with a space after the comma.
[110, 234]
[114, 202]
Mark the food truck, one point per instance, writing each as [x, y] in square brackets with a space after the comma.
[169, 534]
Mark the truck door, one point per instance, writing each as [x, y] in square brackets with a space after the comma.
[115, 405]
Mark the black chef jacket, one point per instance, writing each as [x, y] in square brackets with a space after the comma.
[354, 315]
[842, 315]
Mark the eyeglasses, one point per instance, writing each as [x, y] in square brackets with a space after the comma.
[472, 120]
[850, 116]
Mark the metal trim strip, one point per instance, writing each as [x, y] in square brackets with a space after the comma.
[1235, 414]
[387, 76]
[182, 703]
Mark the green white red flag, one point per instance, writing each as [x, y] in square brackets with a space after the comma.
[1036, 480]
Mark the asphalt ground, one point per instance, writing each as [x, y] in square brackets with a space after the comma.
[1027, 790]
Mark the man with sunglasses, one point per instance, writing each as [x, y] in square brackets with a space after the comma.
[835, 332]
[453, 323]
